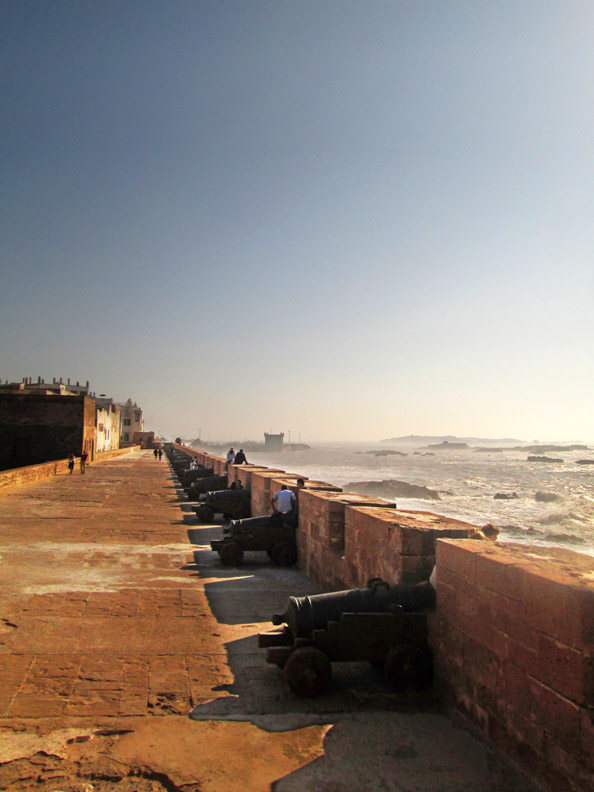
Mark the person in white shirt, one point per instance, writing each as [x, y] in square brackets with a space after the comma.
[284, 500]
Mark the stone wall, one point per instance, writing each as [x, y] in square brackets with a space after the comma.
[36, 428]
[513, 631]
[18, 477]
[514, 651]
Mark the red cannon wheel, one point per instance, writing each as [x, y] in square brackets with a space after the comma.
[307, 672]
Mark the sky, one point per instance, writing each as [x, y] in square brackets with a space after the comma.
[344, 219]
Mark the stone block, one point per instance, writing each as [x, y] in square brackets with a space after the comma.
[483, 666]
[558, 716]
[456, 557]
[565, 670]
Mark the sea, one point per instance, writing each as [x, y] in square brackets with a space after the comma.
[467, 481]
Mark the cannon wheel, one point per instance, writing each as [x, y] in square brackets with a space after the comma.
[408, 666]
[307, 672]
[205, 514]
[231, 554]
[284, 554]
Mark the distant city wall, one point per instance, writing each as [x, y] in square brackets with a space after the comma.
[18, 477]
[37, 428]
[513, 629]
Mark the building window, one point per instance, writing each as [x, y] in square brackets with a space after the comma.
[126, 422]
[126, 437]
[137, 417]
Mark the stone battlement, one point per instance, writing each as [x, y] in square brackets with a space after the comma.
[513, 631]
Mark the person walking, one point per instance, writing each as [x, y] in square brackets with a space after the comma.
[160, 454]
[83, 461]
[155, 454]
[70, 463]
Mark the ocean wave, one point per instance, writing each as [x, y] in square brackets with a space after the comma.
[565, 538]
[554, 517]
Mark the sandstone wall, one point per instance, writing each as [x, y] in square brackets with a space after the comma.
[514, 650]
[513, 631]
[18, 477]
[37, 428]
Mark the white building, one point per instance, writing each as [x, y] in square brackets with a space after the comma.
[132, 422]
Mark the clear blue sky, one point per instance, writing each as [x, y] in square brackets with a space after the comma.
[349, 219]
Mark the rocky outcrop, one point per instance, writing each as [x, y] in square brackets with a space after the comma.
[585, 462]
[392, 488]
[542, 459]
[505, 496]
[547, 497]
[382, 453]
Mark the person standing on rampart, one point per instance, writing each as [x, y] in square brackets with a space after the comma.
[70, 463]
[240, 458]
[83, 461]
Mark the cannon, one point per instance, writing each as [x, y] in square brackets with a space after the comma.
[232, 503]
[203, 485]
[269, 533]
[381, 624]
[180, 464]
[188, 476]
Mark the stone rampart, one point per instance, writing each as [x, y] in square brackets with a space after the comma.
[513, 631]
[18, 477]
[514, 650]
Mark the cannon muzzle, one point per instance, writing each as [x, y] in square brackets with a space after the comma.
[306, 614]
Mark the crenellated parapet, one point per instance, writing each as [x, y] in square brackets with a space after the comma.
[513, 630]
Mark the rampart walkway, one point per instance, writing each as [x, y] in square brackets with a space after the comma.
[113, 628]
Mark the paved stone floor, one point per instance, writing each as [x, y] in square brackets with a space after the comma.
[117, 623]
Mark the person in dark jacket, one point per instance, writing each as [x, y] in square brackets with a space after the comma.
[240, 458]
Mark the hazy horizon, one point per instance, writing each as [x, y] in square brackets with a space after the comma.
[340, 219]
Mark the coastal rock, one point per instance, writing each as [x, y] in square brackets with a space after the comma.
[505, 496]
[542, 459]
[547, 497]
[382, 453]
[391, 488]
[585, 462]
[386, 453]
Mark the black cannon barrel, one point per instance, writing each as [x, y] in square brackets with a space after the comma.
[306, 614]
[237, 527]
[228, 495]
[187, 476]
[203, 485]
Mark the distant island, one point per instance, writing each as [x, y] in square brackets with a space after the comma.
[451, 442]
[422, 440]
[447, 446]
[382, 453]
